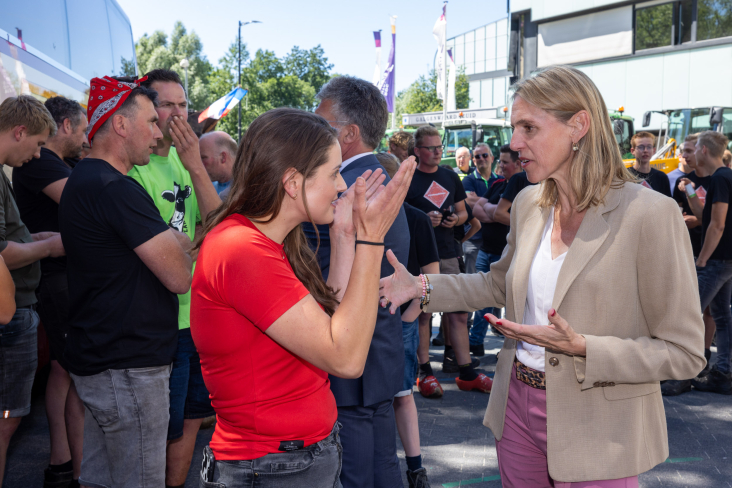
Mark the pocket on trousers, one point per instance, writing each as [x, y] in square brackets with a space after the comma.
[100, 397]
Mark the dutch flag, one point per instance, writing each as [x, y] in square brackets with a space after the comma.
[223, 105]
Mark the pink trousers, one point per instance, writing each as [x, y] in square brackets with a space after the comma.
[522, 449]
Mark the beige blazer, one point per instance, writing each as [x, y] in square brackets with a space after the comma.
[628, 284]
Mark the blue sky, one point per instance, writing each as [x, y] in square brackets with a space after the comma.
[343, 28]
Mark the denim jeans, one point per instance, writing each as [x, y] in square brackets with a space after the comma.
[125, 426]
[189, 397]
[316, 466]
[480, 325]
[715, 291]
[18, 362]
[410, 334]
[470, 249]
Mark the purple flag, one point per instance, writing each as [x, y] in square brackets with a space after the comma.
[387, 85]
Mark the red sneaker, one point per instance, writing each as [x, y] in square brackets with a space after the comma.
[481, 383]
[429, 387]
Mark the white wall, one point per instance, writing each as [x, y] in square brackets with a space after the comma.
[698, 78]
[544, 9]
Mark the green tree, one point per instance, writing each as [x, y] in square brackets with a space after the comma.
[156, 51]
[421, 96]
[310, 66]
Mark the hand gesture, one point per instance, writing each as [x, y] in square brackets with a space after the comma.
[558, 336]
[449, 221]
[343, 217]
[435, 217]
[685, 181]
[374, 215]
[400, 287]
[186, 143]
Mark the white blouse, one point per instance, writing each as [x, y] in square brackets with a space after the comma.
[542, 283]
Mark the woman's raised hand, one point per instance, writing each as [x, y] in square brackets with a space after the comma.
[400, 287]
[558, 336]
[374, 209]
[343, 217]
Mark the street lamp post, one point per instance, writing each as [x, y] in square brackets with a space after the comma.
[184, 63]
[239, 55]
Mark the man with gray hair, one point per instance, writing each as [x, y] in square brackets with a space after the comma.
[357, 110]
[218, 152]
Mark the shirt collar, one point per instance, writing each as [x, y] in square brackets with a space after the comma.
[480, 177]
[352, 159]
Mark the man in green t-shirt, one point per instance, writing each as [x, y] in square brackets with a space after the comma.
[179, 185]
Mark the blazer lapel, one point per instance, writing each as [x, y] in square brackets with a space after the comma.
[526, 244]
[590, 236]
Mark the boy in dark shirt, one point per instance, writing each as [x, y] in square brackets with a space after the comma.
[38, 186]
[642, 145]
[714, 264]
[439, 193]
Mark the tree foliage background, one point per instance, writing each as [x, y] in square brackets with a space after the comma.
[290, 81]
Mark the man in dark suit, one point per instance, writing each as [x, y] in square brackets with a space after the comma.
[357, 110]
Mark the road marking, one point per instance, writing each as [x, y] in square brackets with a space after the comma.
[683, 460]
[455, 484]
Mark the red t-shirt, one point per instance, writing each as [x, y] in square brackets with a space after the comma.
[262, 393]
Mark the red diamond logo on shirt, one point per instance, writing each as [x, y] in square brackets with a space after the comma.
[702, 194]
[646, 184]
[436, 194]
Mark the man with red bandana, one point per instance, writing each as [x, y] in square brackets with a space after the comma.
[125, 266]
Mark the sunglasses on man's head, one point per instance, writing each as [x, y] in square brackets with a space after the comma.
[484, 155]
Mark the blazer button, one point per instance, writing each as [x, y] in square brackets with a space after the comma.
[611, 384]
[553, 361]
[603, 384]
[596, 384]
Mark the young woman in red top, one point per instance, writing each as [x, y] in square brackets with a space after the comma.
[267, 326]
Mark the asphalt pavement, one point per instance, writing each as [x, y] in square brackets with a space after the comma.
[459, 451]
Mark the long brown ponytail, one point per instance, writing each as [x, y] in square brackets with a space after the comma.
[275, 141]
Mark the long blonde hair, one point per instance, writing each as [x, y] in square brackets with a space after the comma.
[597, 165]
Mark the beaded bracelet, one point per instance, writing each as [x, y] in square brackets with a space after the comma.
[426, 288]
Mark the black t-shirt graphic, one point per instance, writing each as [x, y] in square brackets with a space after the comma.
[38, 211]
[656, 179]
[494, 234]
[422, 245]
[436, 191]
[702, 186]
[121, 316]
[720, 191]
[518, 182]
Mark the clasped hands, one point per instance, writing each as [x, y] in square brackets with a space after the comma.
[368, 201]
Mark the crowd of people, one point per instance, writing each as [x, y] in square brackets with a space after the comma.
[287, 284]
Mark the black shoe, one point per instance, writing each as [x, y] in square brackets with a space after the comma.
[715, 382]
[675, 387]
[438, 340]
[52, 479]
[477, 350]
[418, 478]
[704, 371]
[449, 364]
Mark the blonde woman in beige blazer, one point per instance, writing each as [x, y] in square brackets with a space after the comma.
[604, 267]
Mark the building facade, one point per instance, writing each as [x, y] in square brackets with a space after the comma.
[54, 47]
[643, 55]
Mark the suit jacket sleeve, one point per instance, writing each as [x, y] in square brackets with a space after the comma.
[669, 299]
[469, 292]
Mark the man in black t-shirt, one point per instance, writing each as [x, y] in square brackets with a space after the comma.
[125, 267]
[515, 184]
[494, 233]
[439, 193]
[38, 186]
[642, 146]
[714, 264]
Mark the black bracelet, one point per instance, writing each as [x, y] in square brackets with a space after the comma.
[370, 243]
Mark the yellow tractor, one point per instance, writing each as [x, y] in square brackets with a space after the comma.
[678, 124]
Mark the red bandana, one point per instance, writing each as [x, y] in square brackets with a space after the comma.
[105, 97]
